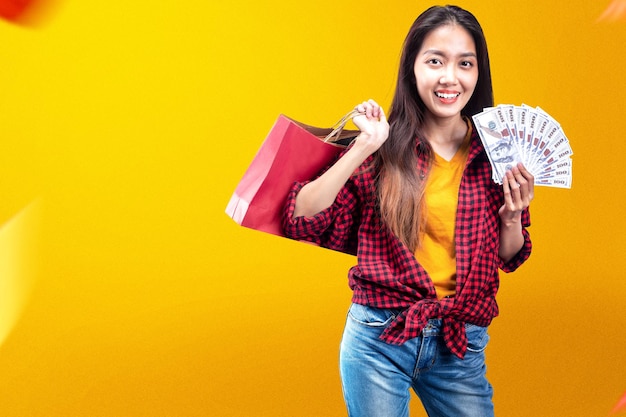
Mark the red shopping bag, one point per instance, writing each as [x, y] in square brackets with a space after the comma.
[292, 151]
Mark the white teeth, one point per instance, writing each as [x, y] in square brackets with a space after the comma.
[447, 96]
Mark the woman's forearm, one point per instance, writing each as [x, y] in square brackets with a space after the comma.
[511, 240]
[320, 194]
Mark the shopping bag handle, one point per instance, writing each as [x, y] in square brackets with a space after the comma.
[333, 136]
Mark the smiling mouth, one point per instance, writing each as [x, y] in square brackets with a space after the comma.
[447, 96]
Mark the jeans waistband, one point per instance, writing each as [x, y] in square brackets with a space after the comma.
[433, 328]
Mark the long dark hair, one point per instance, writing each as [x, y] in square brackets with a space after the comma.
[400, 187]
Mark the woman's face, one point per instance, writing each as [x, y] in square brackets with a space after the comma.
[446, 71]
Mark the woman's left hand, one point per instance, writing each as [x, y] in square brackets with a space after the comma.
[518, 185]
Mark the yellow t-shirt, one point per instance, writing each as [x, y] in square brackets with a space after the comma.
[437, 253]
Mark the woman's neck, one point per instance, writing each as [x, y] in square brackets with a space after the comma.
[445, 136]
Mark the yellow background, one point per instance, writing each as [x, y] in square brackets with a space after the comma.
[130, 123]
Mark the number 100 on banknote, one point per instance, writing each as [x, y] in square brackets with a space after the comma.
[512, 134]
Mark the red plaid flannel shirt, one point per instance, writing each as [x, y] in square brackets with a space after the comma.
[388, 275]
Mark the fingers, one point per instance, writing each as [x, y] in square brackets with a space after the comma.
[527, 177]
[373, 125]
[519, 187]
[370, 109]
[382, 117]
[524, 180]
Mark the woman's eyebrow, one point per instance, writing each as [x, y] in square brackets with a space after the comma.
[438, 52]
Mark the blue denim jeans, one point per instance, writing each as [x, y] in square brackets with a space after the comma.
[376, 376]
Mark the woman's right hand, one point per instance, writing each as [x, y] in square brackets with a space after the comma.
[319, 194]
[373, 125]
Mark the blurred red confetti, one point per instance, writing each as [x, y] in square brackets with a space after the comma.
[26, 12]
[615, 12]
[14, 9]
[621, 405]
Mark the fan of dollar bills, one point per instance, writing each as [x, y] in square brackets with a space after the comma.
[513, 134]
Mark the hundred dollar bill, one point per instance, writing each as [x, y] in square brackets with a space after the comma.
[530, 130]
[512, 134]
[500, 144]
[521, 121]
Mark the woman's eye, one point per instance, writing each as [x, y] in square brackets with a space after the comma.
[434, 61]
[467, 64]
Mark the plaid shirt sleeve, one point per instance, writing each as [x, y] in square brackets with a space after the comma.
[333, 228]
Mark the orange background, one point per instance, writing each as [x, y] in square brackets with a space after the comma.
[128, 126]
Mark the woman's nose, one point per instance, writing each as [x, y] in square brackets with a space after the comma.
[449, 75]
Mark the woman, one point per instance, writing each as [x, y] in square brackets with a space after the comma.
[414, 199]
